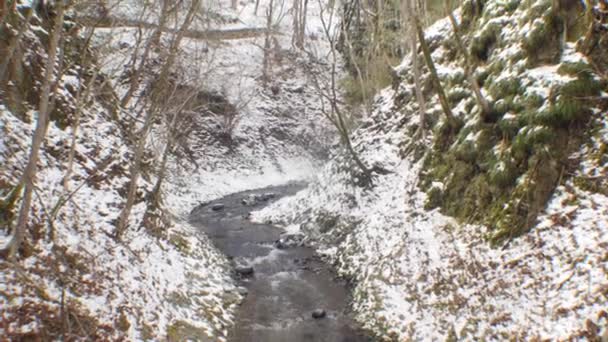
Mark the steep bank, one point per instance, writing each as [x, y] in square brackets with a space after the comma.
[522, 252]
[165, 280]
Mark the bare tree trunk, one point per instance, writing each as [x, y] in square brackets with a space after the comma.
[266, 66]
[296, 22]
[8, 7]
[360, 77]
[409, 9]
[137, 72]
[233, 4]
[445, 105]
[257, 4]
[482, 102]
[418, 85]
[156, 96]
[14, 42]
[335, 115]
[81, 100]
[30, 171]
[302, 34]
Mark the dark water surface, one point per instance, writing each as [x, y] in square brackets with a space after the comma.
[287, 285]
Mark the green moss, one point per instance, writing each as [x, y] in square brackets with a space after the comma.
[594, 185]
[482, 43]
[434, 198]
[543, 44]
[504, 173]
[537, 9]
[573, 104]
[456, 95]
[469, 204]
[457, 183]
[505, 87]
[466, 151]
[576, 69]
[511, 6]
[509, 125]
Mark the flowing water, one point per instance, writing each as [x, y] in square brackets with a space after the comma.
[287, 283]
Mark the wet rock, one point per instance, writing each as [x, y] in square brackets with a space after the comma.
[319, 313]
[298, 90]
[289, 241]
[242, 291]
[250, 200]
[275, 89]
[218, 207]
[268, 196]
[244, 271]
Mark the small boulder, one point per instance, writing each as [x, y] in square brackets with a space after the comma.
[275, 89]
[242, 291]
[268, 196]
[319, 313]
[217, 207]
[250, 200]
[244, 271]
[289, 241]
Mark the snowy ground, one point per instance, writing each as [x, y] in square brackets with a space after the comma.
[420, 275]
[146, 287]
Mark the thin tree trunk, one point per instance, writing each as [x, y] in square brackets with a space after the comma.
[482, 102]
[409, 10]
[30, 171]
[336, 116]
[8, 7]
[14, 42]
[445, 105]
[81, 100]
[156, 96]
[135, 77]
[304, 12]
[266, 66]
[418, 85]
[296, 23]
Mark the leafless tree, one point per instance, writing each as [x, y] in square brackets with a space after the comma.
[410, 8]
[299, 14]
[469, 65]
[16, 39]
[6, 7]
[156, 96]
[443, 99]
[267, 62]
[138, 68]
[29, 174]
[327, 89]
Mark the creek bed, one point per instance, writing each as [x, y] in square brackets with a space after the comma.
[288, 283]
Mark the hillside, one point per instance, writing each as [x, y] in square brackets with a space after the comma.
[493, 228]
[164, 279]
[146, 146]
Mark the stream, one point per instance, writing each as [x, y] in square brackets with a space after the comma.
[286, 284]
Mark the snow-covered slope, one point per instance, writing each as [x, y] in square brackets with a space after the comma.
[167, 285]
[422, 275]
